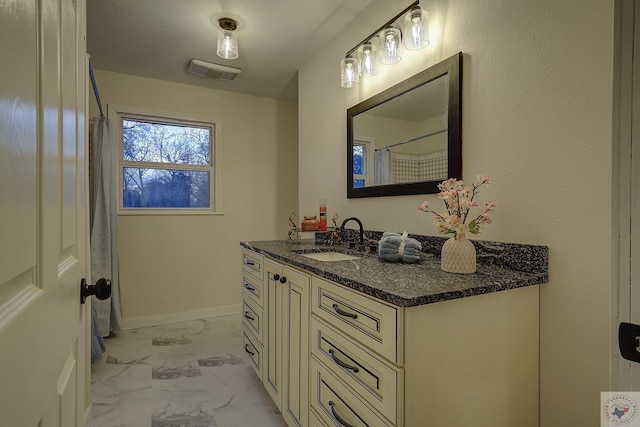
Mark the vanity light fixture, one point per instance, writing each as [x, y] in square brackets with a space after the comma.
[385, 44]
[391, 41]
[348, 72]
[416, 29]
[227, 41]
[367, 59]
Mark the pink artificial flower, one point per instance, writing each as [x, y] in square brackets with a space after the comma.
[458, 201]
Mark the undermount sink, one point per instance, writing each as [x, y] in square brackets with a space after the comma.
[329, 256]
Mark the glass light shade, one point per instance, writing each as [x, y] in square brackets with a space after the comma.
[416, 29]
[390, 49]
[227, 45]
[348, 72]
[367, 55]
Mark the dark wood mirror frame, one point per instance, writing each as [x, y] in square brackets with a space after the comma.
[452, 67]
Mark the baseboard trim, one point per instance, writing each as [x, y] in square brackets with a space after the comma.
[163, 319]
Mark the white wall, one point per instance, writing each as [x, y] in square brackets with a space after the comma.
[177, 267]
[537, 107]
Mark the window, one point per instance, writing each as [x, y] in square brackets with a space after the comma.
[167, 164]
[361, 163]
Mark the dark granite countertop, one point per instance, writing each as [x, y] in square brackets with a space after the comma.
[500, 266]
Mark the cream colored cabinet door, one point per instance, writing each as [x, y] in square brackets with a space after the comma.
[286, 369]
[295, 393]
[44, 369]
[273, 343]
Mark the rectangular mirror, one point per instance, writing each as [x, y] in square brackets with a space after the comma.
[407, 139]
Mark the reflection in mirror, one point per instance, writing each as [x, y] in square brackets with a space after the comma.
[406, 139]
[403, 140]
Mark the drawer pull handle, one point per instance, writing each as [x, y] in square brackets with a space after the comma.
[246, 316]
[248, 262]
[338, 417]
[341, 363]
[344, 313]
[249, 287]
[246, 348]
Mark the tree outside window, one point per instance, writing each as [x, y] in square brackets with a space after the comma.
[166, 165]
[360, 164]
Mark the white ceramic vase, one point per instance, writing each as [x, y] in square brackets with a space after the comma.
[458, 256]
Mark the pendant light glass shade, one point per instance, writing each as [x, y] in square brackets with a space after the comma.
[416, 29]
[227, 42]
[227, 45]
[390, 49]
[348, 72]
[367, 59]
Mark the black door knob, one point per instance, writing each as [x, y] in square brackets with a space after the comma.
[283, 279]
[102, 289]
[276, 277]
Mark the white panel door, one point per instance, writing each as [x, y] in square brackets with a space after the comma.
[44, 369]
[625, 374]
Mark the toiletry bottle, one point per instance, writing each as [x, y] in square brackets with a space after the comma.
[323, 215]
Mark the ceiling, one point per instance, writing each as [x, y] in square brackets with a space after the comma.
[158, 38]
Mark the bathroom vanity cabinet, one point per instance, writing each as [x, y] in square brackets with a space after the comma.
[276, 317]
[331, 355]
[287, 345]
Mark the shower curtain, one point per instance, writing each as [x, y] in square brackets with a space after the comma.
[103, 209]
[383, 172]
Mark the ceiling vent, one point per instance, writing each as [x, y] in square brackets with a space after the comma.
[214, 71]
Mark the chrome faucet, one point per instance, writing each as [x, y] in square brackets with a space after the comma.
[359, 224]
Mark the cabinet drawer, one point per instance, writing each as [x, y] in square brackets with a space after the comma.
[314, 420]
[252, 351]
[253, 263]
[336, 405]
[253, 288]
[368, 320]
[375, 380]
[252, 318]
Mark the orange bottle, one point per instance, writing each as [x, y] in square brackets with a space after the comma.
[323, 215]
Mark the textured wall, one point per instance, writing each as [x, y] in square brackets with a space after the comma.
[537, 103]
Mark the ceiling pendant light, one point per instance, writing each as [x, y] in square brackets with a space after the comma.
[227, 42]
[367, 59]
[416, 29]
[348, 72]
[390, 38]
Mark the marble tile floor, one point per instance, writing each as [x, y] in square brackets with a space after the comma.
[190, 374]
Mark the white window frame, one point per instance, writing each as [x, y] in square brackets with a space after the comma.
[117, 113]
[368, 145]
